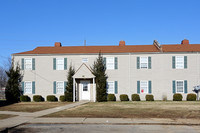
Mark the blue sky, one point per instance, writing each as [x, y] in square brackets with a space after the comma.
[26, 24]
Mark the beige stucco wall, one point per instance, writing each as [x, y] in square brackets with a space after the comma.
[127, 73]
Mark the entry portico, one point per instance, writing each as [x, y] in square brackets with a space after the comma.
[84, 87]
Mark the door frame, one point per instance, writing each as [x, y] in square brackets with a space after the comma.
[81, 89]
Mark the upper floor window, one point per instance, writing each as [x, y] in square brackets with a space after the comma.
[28, 64]
[60, 63]
[111, 62]
[179, 62]
[143, 62]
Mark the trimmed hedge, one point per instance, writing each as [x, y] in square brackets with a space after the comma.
[124, 97]
[38, 98]
[25, 98]
[135, 97]
[149, 97]
[177, 97]
[191, 97]
[111, 97]
[62, 98]
[52, 98]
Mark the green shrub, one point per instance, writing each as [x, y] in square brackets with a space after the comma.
[149, 97]
[124, 97]
[177, 97]
[62, 98]
[111, 97]
[135, 97]
[191, 97]
[25, 98]
[38, 98]
[52, 98]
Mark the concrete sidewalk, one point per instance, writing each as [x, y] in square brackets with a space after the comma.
[123, 121]
[26, 117]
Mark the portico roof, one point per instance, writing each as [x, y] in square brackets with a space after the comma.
[83, 72]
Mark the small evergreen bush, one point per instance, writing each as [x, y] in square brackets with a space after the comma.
[25, 98]
[177, 97]
[149, 97]
[124, 97]
[38, 98]
[191, 97]
[62, 98]
[52, 98]
[111, 97]
[135, 97]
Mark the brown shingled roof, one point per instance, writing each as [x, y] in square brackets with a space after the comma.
[113, 49]
[92, 49]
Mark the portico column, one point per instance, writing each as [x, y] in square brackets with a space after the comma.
[94, 90]
[73, 89]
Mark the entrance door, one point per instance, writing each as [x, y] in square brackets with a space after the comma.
[85, 87]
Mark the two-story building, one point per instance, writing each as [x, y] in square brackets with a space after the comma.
[161, 70]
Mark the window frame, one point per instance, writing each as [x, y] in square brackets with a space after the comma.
[31, 87]
[179, 62]
[85, 60]
[108, 63]
[25, 64]
[177, 85]
[60, 64]
[109, 92]
[145, 62]
[147, 92]
[63, 87]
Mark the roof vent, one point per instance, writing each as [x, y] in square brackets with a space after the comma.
[122, 43]
[185, 42]
[58, 44]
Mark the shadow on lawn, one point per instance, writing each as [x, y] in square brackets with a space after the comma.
[4, 103]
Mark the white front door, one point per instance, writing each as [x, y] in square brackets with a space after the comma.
[85, 89]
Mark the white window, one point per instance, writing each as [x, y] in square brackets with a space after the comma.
[144, 62]
[28, 63]
[110, 63]
[84, 60]
[144, 86]
[179, 62]
[27, 87]
[110, 87]
[60, 63]
[60, 87]
[179, 86]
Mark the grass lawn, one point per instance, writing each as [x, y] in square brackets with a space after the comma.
[142, 109]
[31, 106]
[5, 116]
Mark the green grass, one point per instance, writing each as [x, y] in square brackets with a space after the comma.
[142, 109]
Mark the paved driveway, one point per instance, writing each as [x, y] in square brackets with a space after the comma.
[94, 128]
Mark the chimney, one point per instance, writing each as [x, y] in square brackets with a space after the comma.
[122, 43]
[185, 42]
[58, 44]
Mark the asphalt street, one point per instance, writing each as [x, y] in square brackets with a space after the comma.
[100, 128]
